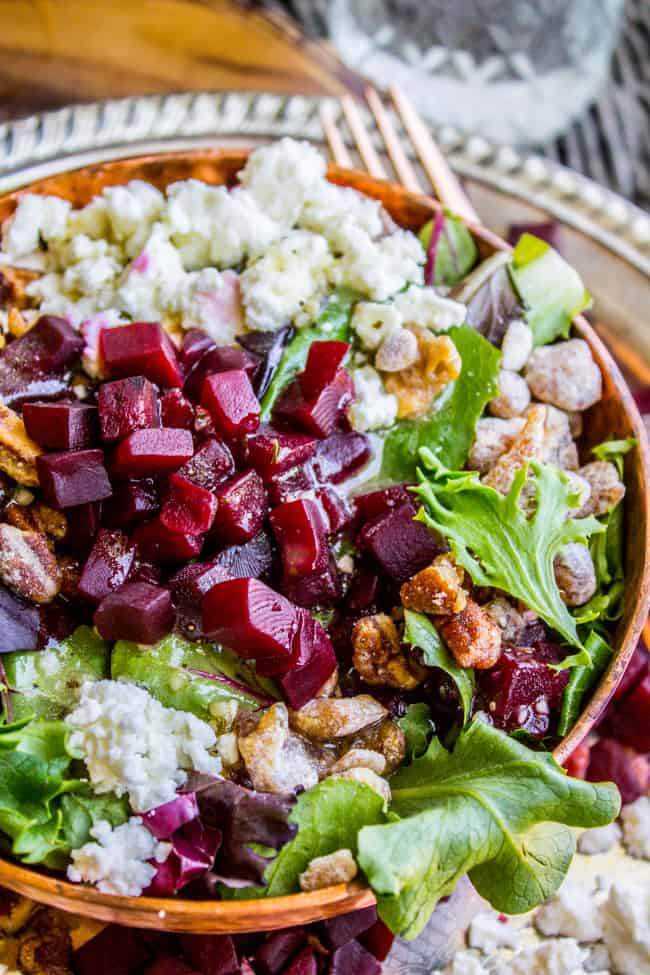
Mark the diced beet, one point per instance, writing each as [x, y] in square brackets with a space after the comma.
[363, 592]
[269, 346]
[221, 358]
[323, 362]
[31, 367]
[271, 451]
[630, 722]
[210, 466]
[114, 951]
[301, 532]
[276, 952]
[140, 349]
[340, 456]
[317, 589]
[72, 478]
[368, 506]
[339, 930]
[19, 623]
[149, 452]
[210, 954]
[145, 572]
[176, 411]
[195, 344]
[169, 965]
[522, 689]
[577, 763]
[108, 565]
[353, 959]
[313, 662]
[231, 402]
[156, 543]
[399, 544]
[61, 426]
[291, 484]
[634, 673]
[188, 587]
[610, 761]
[304, 963]
[250, 618]
[319, 415]
[242, 506]
[548, 230]
[138, 612]
[338, 511]
[250, 560]
[127, 405]
[82, 526]
[378, 940]
[188, 508]
[132, 501]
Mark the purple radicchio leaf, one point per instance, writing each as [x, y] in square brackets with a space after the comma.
[165, 820]
[436, 233]
[491, 300]
[194, 848]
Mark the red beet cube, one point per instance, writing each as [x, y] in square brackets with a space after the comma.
[108, 565]
[195, 344]
[114, 951]
[522, 689]
[301, 533]
[32, 366]
[400, 545]
[132, 501]
[176, 411]
[339, 930]
[303, 964]
[363, 592]
[634, 673]
[127, 405]
[222, 358]
[72, 478]
[609, 761]
[291, 484]
[210, 954]
[630, 722]
[241, 509]
[323, 362]
[340, 456]
[156, 543]
[378, 940]
[231, 402]
[137, 611]
[82, 526]
[61, 426]
[143, 348]
[368, 506]
[188, 508]
[319, 588]
[353, 959]
[272, 452]
[272, 957]
[313, 662]
[150, 452]
[210, 466]
[250, 618]
[320, 414]
[338, 511]
[169, 965]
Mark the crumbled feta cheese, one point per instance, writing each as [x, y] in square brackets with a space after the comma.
[131, 211]
[373, 408]
[289, 274]
[281, 177]
[426, 308]
[37, 218]
[152, 284]
[334, 211]
[91, 266]
[374, 322]
[227, 748]
[600, 839]
[489, 931]
[626, 927]
[563, 956]
[636, 827]
[117, 863]
[572, 912]
[132, 744]
[8, 971]
[467, 963]
[212, 302]
[379, 268]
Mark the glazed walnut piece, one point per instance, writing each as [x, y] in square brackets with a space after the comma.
[607, 489]
[333, 868]
[18, 452]
[378, 656]
[417, 386]
[565, 375]
[527, 444]
[276, 760]
[27, 565]
[387, 739]
[575, 574]
[438, 589]
[472, 636]
[326, 718]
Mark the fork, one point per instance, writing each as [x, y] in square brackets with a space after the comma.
[446, 185]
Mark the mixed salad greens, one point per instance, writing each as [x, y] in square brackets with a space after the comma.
[360, 559]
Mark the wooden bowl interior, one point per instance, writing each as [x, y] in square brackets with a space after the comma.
[615, 415]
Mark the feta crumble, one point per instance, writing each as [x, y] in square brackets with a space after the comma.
[561, 957]
[117, 863]
[636, 827]
[488, 932]
[334, 211]
[599, 839]
[467, 963]
[212, 302]
[282, 176]
[152, 283]
[426, 308]
[37, 219]
[572, 912]
[133, 745]
[374, 322]
[373, 408]
[626, 927]
[379, 268]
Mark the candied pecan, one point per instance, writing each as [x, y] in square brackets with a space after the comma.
[472, 636]
[565, 375]
[338, 717]
[492, 437]
[15, 911]
[438, 589]
[16, 324]
[417, 386]
[513, 397]
[575, 574]
[398, 351]
[527, 444]
[46, 947]
[18, 452]
[37, 517]
[557, 446]
[27, 565]
[70, 570]
[386, 738]
[607, 489]
[510, 621]
[378, 655]
[13, 282]
[360, 758]
[367, 777]
[333, 868]
[276, 760]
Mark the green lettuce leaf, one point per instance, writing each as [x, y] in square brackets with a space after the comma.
[453, 254]
[549, 287]
[449, 431]
[582, 679]
[332, 324]
[417, 726]
[420, 632]
[499, 545]
[491, 808]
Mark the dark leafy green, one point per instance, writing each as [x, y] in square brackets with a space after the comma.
[420, 632]
[449, 431]
[451, 251]
[491, 301]
[582, 679]
[491, 807]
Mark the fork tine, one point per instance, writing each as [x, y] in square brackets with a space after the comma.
[360, 134]
[447, 187]
[405, 171]
[334, 139]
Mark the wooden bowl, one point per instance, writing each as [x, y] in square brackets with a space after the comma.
[615, 415]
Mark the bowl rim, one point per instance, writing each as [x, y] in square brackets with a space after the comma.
[221, 917]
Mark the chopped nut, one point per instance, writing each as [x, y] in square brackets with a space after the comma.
[398, 351]
[18, 452]
[27, 566]
[492, 437]
[607, 489]
[565, 375]
[438, 589]
[70, 570]
[330, 686]
[508, 618]
[527, 444]
[37, 517]
[16, 324]
[558, 447]
[13, 284]
[227, 748]
[516, 346]
[387, 739]
[45, 948]
[582, 487]
[325, 718]
[416, 387]
[378, 654]
[276, 760]
[472, 636]
[325, 871]
[513, 398]
[369, 778]
[15, 911]
[360, 758]
[575, 574]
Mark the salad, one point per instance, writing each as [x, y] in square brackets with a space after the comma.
[305, 567]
